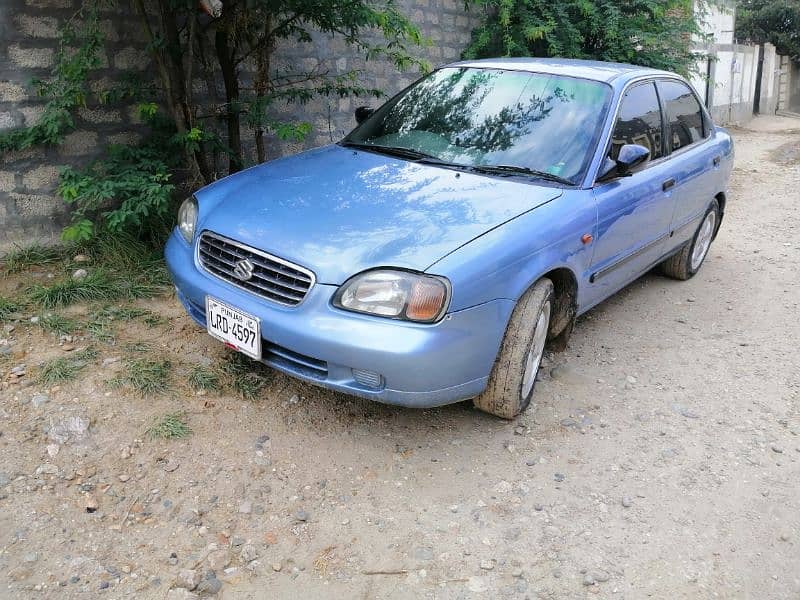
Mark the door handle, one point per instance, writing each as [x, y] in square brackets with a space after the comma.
[668, 184]
[717, 160]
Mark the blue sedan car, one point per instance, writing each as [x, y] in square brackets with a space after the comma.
[432, 254]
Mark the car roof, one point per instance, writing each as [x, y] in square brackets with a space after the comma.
[585, 69]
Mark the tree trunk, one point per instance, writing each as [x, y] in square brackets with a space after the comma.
[170, 71]
[262, 85]
[225, 55]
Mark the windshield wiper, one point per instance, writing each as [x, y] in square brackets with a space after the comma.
[392, 150]
[516, 170]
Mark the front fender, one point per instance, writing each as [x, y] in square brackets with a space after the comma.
[506, 261]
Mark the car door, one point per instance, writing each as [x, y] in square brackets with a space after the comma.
[692, 159]
[633, 213]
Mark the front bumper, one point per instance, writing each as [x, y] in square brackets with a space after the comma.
[417, 365]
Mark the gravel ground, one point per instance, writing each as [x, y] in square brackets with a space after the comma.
[662, 460]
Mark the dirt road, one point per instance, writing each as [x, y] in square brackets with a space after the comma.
[663, 459]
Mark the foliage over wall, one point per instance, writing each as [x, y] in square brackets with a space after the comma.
[773, 21]
[231, 48]
[653, 33]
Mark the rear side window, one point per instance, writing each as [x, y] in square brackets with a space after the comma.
[639, 121]
[684, 115]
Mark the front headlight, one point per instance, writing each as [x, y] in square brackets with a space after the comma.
[187, 218]
[396, 295]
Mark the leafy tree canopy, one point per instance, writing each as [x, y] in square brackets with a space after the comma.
[654, 33]
[773, 21]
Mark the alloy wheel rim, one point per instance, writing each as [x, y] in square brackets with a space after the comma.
[703, 241]
[536, 351]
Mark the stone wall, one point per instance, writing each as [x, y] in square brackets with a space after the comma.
[30, 210]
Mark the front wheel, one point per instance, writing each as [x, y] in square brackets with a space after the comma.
[688, 261]
[513, 377]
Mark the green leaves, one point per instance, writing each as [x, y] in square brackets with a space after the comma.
[773, 21]
[655, 33]
[66, 89]
[122, 192]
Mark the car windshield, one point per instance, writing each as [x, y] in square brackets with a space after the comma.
[490, 117]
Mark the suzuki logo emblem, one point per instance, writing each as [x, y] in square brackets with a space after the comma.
[243, 269]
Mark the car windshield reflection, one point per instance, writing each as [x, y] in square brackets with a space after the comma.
[485, 117]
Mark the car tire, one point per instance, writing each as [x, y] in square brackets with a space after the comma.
[687, 262]
[513, 376]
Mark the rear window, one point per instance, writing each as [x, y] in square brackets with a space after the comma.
[684, 115]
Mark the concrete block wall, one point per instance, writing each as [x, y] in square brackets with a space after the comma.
[29, 208]
[29, 32]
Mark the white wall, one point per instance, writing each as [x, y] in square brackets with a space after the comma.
[717, 20]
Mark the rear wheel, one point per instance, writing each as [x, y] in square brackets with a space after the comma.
[688, 261]
[513, 377]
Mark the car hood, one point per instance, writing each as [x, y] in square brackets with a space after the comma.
[338, 211]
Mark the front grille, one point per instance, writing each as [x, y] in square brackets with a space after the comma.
[272, 278]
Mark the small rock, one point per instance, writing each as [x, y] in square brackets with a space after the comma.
[246, 507]
[69, 429]
[31, 557]
[520, 430]
[39, 399]
[218, 560]
[248, 553]
[188, 579]
[784, 537]
[47, 469]
[80, 274]
[52, 450]
[630, 379]
[90, 503]
[210, 585]
[301, 515]
[531, 462]
[777, 449]
[487, 565]
[104, 585]
[559, 477]
[588, 579]
[599, 576]
[123, 478]
[109, 361]
[277, 567]
[516, 573]
[627, 501]
[80, 258]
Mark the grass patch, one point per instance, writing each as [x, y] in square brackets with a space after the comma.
[122, 268]
[147, 376]
[65, 368]
[246, 376]
[98, 285]
[58, 324]
[8, 307]
[101, 322]
[22, 259]
[137, 347]
[204, 378]
[169, 426]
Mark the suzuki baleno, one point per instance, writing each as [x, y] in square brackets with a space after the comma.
[432, 254]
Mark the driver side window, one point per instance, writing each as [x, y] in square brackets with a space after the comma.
[639, 121]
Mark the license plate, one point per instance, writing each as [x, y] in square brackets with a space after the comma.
[237, 329]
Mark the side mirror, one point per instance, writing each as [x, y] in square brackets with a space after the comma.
[363, 113]
[630, 156]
